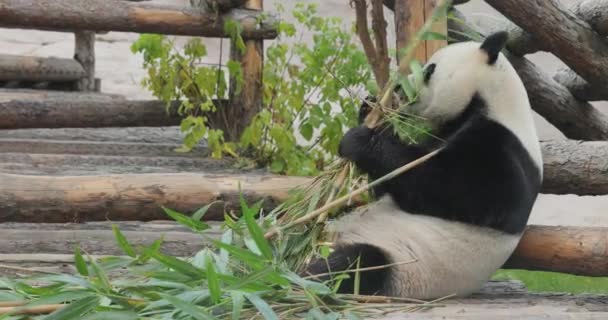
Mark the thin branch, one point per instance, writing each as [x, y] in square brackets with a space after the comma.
[384, 266]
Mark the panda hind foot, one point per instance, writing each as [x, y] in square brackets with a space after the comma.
[344, 258]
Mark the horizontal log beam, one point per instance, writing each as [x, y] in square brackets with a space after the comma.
[116, 15]
[14, 67]
[77, 165]
[575, 167]
[132, 196]
[570, 167]
[542, 248]
[122, 149]
[564, 34]
[574, 250]
[577, 119]
[27, 110]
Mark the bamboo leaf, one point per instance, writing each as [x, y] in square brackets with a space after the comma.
[178, 265]
[256, 232]
[81, 265]
[191, 223]
[212, 280]
[237, 304]
[262, 306]
[113, 315]
[74, 310]
[191, 309]
[123, 243]
[198, 215]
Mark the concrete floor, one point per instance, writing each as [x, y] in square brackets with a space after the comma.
[121, 73]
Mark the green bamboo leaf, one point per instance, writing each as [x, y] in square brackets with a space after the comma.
[178, 265]
[61, 297]
[66, 278]
[407, 89]
[114, 315]
[74, 310]
[123, 243]
[237, 304]
[81, 264]
[262, 306]
[313, 286]
[250, 258]
[256, 232]
[100, 274]
[189, 308]
[153, 247]
[213, 281]
[195, 225]
[430, 35]
[418, 73]
[200, 213]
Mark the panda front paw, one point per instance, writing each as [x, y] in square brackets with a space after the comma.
[356, 143]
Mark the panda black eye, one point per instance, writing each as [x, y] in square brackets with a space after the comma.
[428, 72]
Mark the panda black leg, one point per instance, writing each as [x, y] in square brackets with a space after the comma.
[345, 258]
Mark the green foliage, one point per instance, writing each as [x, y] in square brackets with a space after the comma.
[241, 276]
[541, 281]
[306, 100]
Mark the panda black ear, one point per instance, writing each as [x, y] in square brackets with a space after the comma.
[493, 44]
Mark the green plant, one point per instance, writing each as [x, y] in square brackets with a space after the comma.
[307, 102]
[240, 275]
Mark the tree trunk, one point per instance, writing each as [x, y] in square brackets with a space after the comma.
[247, 102]
[114, 15]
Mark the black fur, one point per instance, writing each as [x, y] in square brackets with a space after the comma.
[345, 258]
[493, 44]
[484, 176]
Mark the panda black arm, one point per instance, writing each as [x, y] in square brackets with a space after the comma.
[378, 151]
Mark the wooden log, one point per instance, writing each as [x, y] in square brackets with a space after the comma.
[521, 42]
[564, 34]
[217, 5]
[28, 68]
[97, 238]
[85, 54]
[114, 15]
[83, 147]
[577, 119]
[77, 110]
[570, 166]
[147, 135]
[81, 111]
[573, 250]
[576, 167]
[74, 164]
[247, 102]
[132, 196]
[579, 87]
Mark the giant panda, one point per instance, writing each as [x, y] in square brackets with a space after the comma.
[447, 225]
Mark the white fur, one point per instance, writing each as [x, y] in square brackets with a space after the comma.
[448, 257]
[461, 71]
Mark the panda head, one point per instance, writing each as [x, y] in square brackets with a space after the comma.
[457, 73]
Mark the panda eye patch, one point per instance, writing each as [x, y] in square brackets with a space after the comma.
[428, 72]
